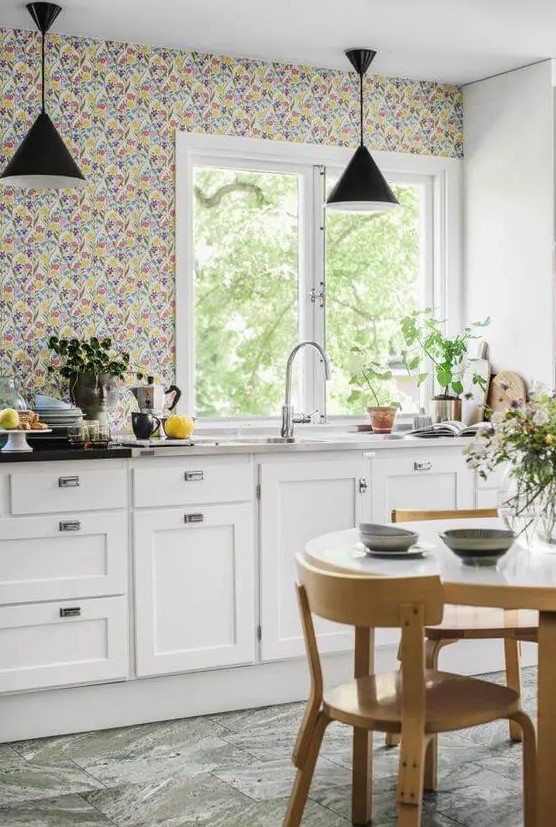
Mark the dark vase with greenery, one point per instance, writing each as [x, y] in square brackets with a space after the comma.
[93, 370]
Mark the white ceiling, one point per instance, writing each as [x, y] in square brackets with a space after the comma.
[453, 41]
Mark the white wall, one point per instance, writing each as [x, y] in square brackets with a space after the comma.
[509, 217]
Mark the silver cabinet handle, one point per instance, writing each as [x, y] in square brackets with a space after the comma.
[71, 611]
[68, 482]
[70, 525]
[190, 476]
[363, 485]
[422, 466]
[193, 518]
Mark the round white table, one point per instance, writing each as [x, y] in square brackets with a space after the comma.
[522, 579]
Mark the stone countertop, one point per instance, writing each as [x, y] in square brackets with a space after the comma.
[245, 445]
[207, 446]
[64, 454]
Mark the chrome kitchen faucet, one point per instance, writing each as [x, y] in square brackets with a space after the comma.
[289, 418]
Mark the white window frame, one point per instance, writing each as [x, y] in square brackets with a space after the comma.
[442, 235]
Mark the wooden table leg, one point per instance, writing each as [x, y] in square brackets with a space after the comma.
[547, 720]
[362, 773]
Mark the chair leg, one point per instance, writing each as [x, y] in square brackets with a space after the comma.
[529, 768]
[392, 739]
[432, 651]
[512, 656]
[410, 801]
[304, 735]
[304, 774]
[362, 777]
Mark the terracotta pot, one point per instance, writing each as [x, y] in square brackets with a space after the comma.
[382, 419]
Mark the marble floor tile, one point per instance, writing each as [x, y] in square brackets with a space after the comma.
[67, 811]
[285, 717]
[202, 800]
[126, 741]
[22, 781]
[273, 779]
[201, 756]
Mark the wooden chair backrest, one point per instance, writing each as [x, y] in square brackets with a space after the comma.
[369, 601]
[409, 603]
[406, 515]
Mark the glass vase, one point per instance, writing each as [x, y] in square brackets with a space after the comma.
[529, 511]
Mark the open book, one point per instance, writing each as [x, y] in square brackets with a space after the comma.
[450, 428]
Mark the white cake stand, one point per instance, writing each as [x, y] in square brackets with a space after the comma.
[17, 440]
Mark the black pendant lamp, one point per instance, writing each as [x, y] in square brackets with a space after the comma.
[362, 187]
[42, 160]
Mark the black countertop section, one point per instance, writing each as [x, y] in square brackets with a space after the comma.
[64, 454]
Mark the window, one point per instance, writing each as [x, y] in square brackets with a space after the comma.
[246, 260]
[261, 265]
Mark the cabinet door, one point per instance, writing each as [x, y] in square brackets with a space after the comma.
[62, 557]
[58, 644]
[195, 595]
[420, 480]
[299, 501]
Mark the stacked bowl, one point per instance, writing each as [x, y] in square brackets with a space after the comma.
[60, 419]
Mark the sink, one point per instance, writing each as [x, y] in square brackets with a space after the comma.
[262, 440]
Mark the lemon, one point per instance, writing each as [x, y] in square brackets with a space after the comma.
[179, 427]
[9, 419]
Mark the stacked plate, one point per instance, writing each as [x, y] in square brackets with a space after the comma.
[60, 419]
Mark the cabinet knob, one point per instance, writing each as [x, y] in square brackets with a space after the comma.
[363, 485]
[191, 476]
[422, 466]
[70, 525]
[71, 611]
[193, 518]
[68, 482]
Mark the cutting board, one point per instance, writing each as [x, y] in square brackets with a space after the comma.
[506, 387]
[474, 397]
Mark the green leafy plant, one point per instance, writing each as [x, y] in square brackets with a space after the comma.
[91, 356]
[370, 376]
[424, 339]
[523, 441]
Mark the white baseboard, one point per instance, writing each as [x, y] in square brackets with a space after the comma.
[103, 706]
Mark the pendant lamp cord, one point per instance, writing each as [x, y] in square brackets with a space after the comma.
[43, 37]
[361, 115]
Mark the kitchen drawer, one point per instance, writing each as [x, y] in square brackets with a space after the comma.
[192, 483]
[49, 491]
[40, 648]
[64, 556]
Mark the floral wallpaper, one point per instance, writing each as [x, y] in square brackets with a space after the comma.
[100, 261]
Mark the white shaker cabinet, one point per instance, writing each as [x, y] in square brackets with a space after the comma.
[194, 588]
[420, 479]
[300, 500]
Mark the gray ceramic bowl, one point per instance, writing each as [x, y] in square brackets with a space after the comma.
[478, 546]
[387, 537]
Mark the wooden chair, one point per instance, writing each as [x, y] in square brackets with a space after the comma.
[414, 702]
[469, 623]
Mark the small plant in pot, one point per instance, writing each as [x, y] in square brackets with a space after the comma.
[371, 381]
[93, 370]
[425, 341]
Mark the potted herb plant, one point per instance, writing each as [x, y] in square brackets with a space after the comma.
[372, 379]
[424, 340]
[93, 370]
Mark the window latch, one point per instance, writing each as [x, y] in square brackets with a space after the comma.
[317, 295]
